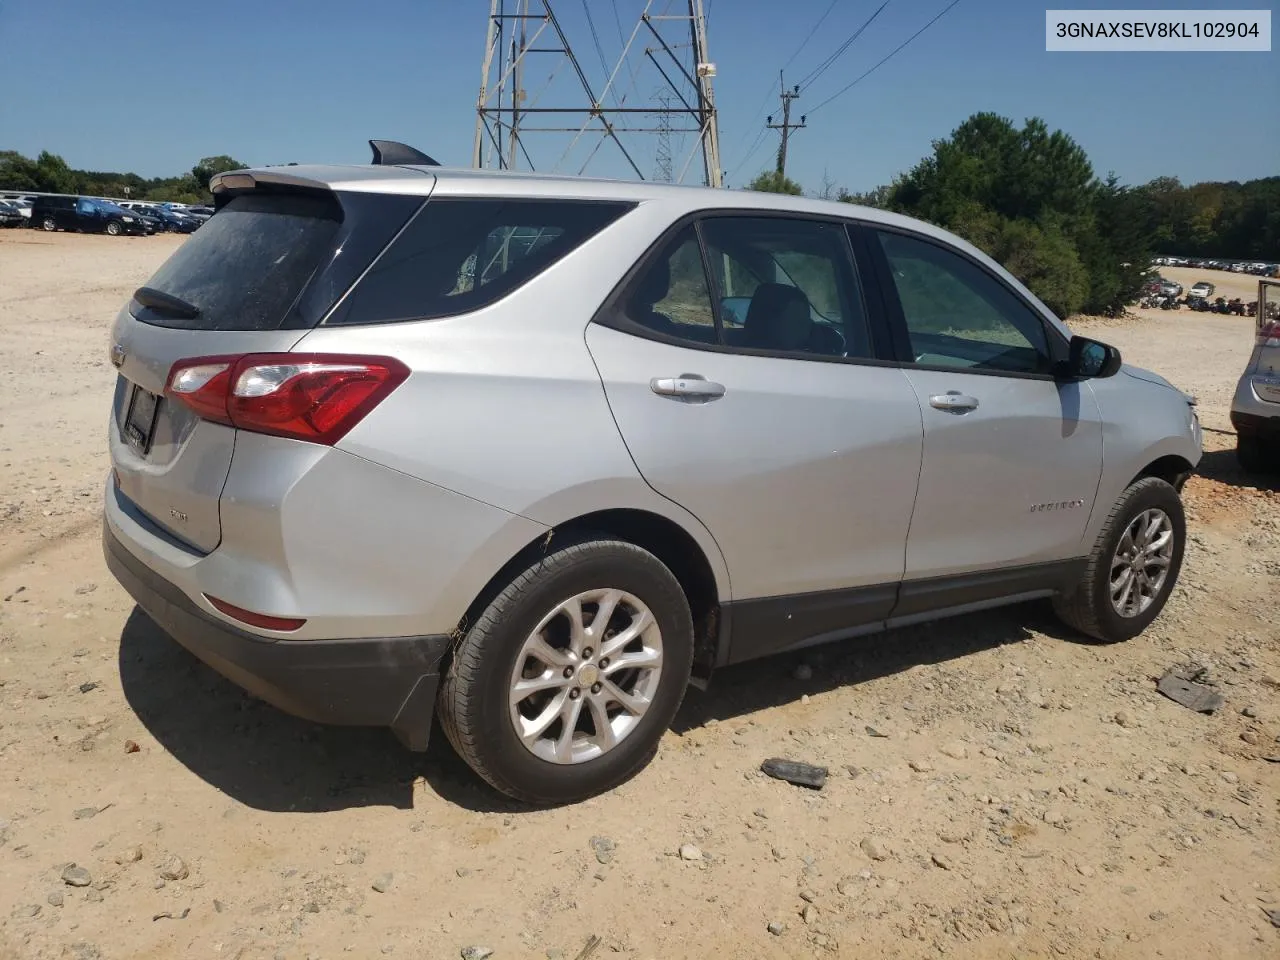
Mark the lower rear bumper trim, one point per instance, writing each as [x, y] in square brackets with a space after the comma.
[381, 682]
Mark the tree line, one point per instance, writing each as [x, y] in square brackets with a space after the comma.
[49, 173]
[1030, 199]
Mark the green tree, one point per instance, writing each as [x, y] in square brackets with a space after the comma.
[205, 170]
[879, 197]
[773, 182]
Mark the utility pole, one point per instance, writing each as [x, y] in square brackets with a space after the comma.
[786, 126]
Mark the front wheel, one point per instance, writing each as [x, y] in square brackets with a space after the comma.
[571, 675]
[49, 224]
[1134, 565]
[113, 228]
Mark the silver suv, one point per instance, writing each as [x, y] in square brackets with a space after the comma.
[1255, 408]
[536, 453]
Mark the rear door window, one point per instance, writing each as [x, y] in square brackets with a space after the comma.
[461, 254]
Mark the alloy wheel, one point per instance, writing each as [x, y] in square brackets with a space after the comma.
[1140, 564]
[585, 676]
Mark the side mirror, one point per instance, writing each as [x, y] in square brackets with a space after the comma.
[1089, 359]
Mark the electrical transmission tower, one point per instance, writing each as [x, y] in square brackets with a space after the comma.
[662, 156]
[786, 126]
[526, 48]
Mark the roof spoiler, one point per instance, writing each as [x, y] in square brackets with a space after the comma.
[389, 152]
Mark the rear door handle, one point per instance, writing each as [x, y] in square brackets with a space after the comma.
[953, 402]
[688, 386]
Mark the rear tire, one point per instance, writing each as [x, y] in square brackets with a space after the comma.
[1098, 605]
[489, 718]
[49, 225]
[1250, 454]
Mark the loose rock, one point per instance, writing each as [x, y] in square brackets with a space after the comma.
[1123, 718]
[175, 868]
[131, 746]
[74, 876]
[476, 953]
[85, 813]
[776, 928]
[1251, 712]
[603, 848]
[920, 766]
[1055, 816]
[955, 750]
[809, 914]
[26, 911]
[129, 855]
[56, 898]
[940, 861]
[808, 896]
[382, 883]
[689, 852]
[874, 849]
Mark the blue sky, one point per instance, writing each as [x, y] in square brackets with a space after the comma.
[153, 85]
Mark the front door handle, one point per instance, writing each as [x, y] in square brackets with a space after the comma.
[953, 402]
[692, 387]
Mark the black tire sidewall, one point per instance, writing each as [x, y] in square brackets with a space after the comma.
[505, 626]
[1142, 497]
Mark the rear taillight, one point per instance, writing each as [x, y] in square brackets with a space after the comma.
[1269, 333]
[303, 396]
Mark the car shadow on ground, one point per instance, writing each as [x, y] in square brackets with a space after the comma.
[746, 688]
[268, 760]
[1222, 466]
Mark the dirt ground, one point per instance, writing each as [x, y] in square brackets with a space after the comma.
[1025, 794]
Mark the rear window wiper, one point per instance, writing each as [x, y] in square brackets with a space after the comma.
[166, 303]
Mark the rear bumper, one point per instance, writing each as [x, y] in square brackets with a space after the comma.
[382, 682]
[1266, 429]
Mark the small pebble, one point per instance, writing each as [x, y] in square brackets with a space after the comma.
[88, 687]
[382, 883]
[175, 868]
[1251, 712]
[85, 813]
[776, 928]
[26, 911]
[131, 746]
[476, 953]
[74, 876]
[1123, 718]
[809, 914]
[955, 750]
[1055, 817]
[604, 848]
[129, 855]
[874, 849]
[940, 861]
[808, 896]
[920, 766]
[56, 898]
[689, 852]
[1251, 737]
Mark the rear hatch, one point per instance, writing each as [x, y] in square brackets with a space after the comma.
[263, 271]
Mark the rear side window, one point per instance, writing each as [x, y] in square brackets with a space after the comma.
[244, 269]
[460, 254]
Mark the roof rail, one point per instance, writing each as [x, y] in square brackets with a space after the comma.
[389, 152]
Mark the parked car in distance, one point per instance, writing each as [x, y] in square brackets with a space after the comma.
[1202, 289]
[84, 214]
[166, 219]
[1255, 407]
[11, 215]
[897, 430]
[1170, 288]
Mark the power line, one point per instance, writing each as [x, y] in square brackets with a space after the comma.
[845, 89]
[826, 64]
[769, 94]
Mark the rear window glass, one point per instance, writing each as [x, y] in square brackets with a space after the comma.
[244, 269]
[458, 255]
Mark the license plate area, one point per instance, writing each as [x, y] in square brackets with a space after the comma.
[140, 420]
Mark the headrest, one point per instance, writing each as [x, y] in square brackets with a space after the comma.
[777, 319]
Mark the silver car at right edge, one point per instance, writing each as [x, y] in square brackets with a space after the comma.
[1255, 408]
